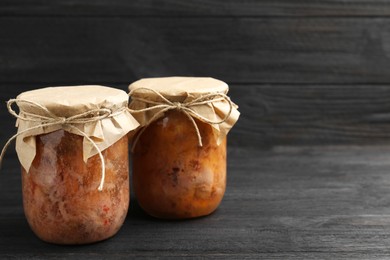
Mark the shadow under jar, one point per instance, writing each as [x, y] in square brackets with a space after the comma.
[73, 148]
[173, 176]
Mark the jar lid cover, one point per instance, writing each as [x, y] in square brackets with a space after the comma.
[179, 86]
[202, 98]
[71, 100]
[99, 114]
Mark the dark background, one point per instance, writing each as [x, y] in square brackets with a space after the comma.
[308, 159]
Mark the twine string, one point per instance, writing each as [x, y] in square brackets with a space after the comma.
[185, 107]
[50, 119]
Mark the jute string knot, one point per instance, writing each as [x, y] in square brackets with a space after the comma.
[50, 119]
[186, 107]
[178, 105]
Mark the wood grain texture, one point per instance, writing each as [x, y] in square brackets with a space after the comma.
[203, 8]
[274, 115]
[308, 76]
[237, 50]
[319, 202]
[311, 114]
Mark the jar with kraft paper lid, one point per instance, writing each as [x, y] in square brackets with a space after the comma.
[179, 153]
[73, 147]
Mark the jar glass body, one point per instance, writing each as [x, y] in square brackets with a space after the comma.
[61, 200]
[173, 177]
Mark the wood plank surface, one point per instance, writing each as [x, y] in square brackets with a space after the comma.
[202, 8]
[274, 115]
[318, 202]
[237, 50]
[308, 161]
[311, 114]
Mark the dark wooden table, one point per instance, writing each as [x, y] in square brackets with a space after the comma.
[309, 168]
[315, 202]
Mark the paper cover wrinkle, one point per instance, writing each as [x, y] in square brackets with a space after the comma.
[186, 89]
[104, 132]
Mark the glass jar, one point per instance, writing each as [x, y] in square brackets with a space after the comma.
[72, 143]
[179, 154]
[61, 202]
[173, 177]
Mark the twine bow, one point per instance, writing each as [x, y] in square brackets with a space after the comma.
[185, 107]
[51, 120]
